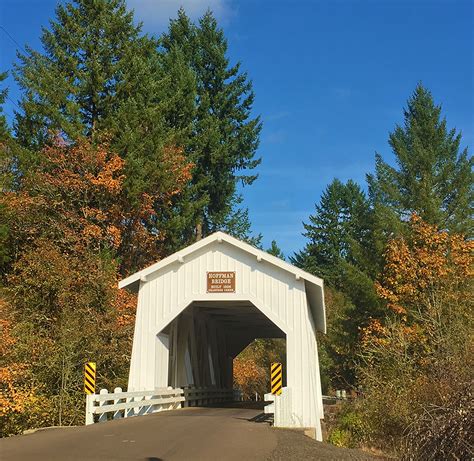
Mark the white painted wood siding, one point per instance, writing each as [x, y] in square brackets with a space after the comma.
[279, 294]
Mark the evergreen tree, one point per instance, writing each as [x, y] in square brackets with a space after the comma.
[4, 175]
[94, 59]
[4, 129]
[338, 233]
[110, 82]
[339, 251]
[275, 250]
[433, 176]
[224, 138]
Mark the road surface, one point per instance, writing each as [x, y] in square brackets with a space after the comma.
[187, 434]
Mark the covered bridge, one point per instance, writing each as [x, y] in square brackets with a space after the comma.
[200, 307]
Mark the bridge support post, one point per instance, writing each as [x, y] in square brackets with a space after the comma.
[103, 416]
[89, 409]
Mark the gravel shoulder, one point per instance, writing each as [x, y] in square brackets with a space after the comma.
[294, 445]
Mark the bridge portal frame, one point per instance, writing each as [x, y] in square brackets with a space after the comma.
[171, 347]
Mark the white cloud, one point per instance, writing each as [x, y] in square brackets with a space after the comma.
[276, 116]
[155, 14]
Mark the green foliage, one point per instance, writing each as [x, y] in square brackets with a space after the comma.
[337, 348]
[275, 250]
[223, 138]
[94, 61]
[433, 176]
[338, 232]
[350, 430]
[4, 129]
[339, 251]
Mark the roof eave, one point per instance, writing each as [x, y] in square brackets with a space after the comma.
[220, 236]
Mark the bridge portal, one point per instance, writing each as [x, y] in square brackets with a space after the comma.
[200, 307]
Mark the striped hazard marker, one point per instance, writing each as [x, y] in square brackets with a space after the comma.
[276, 371]
[89, 378]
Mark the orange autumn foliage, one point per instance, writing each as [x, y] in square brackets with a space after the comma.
[425, 271]
[426, 279]
[18, 395]
[416, 363]
[73, 233]
[249, 377]
[76, 197]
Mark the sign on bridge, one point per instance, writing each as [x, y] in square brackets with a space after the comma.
[221, 282]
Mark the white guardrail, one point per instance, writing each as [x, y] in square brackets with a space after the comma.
[280, 406]
[120, 404]
[126, 404]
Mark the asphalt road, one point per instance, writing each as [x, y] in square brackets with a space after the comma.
[187, 434]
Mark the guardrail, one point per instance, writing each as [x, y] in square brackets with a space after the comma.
[125, 404]
[120, 404]
[280, 406]
[270, 408]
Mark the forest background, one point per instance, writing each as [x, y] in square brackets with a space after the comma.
[127, 147]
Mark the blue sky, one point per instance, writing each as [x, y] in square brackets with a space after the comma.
[330, 77]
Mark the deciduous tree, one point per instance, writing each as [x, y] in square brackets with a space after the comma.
[417, 362]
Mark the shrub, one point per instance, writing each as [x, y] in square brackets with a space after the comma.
[349, 429]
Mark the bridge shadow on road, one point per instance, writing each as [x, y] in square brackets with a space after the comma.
[247, 405]
[262, 418]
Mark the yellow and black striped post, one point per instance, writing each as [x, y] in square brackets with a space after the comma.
[276, 378]
[89, 378]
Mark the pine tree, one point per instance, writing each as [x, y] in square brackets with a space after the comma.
[4, 129]
[433, 176]
[111, 83]
[94, 59]
[224, 139]
[275, 250]
[338, 232]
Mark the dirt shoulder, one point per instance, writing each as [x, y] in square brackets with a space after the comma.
[294, 445]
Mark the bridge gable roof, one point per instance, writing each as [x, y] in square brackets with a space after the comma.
[314, 286]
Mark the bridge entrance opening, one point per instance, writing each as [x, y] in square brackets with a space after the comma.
[203, 341]
[252, 367]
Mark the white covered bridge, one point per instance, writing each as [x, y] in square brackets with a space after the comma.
[200, 307]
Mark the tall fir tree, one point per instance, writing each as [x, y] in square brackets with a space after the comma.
[224, 138]
[433, 176]
[338, 232]
[94, 59]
